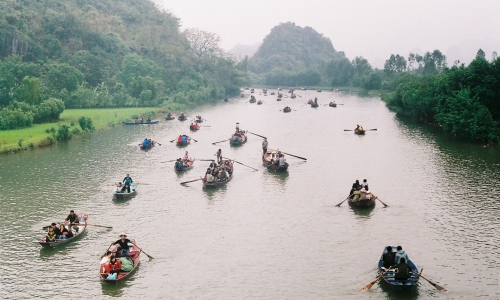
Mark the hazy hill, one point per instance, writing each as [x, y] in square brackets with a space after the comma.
[239, 51]
[292, 48]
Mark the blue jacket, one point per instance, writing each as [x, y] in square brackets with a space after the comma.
[401, 254]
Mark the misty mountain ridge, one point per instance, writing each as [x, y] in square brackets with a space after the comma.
[239, 51]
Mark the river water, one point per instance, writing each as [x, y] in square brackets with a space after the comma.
[264, 235]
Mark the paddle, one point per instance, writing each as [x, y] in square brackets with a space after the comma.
[191, 181]
[205, 159]
[206, 126]
[373, 129]
[257, 135]
[240, 163]
[385, 205]
[348, 129]
[437, 286]
[106, 251]
[343, 200]
[173, 140]
[109, 227]
[150, 257]
[219, 142]
[162, 162]
[291, 154]
[369, 286]
[193, 139]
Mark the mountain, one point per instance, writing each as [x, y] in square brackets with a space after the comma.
[239, 51]
[293, 48]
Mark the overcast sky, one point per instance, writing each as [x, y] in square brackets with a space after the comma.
[373, 29]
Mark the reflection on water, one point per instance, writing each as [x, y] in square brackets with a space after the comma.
[263, 234]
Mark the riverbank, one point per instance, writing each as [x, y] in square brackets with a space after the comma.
[39, 135]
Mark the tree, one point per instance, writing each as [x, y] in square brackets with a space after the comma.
[395, 64]
[29, 92]
[204, 43]
[494, 56]
[480, 53]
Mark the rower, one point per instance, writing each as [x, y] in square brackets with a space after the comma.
[72, 218]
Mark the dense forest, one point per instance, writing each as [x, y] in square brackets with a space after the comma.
[58, 54]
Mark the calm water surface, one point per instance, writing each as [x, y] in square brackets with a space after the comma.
[264, 235]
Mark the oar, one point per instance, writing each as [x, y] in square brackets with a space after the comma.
[150, 257]
[193, 139]
[257, 135]
[206, 126]
[373, 129]
[241, 163]
[369, 286]
[385, 205]
[173, 140]
[191, 180]
[219, 142]
[348, 130]
[437, 286]
[162, 162]
[109, 227]
[106, 251]
[205, 159]
[343, 200]
[291, 154]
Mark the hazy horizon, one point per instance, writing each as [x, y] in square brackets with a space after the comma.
[372, 29]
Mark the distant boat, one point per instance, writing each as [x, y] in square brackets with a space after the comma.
[186, 166]
[134, 255]
[287, 109]
[360, 132]
[269, 159]
[238, 139]
[142, 122]
[259, 103]
[117, 193]
[170, 117]
[216, 183]
[332, 104]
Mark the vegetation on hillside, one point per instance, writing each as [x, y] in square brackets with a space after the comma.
[103, 53]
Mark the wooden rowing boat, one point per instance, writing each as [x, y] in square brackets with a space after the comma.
[269, 161]
[293, 96]
[134, 255]
[252, 100]
[287, 109]
[219, 183]
[82, 226]
[192, 128]
[186, 166]
[398, 284]
[187, 142]
[182, 118]
[365, 203]
[142, 123]
[118, 194]
[199, 120]
[238, 139]
[360, 132]
[148, 146]
[259, 103]
[314, 105]
[332, 104]
[171, 117]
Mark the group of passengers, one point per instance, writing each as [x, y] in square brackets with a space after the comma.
[141, 120]
[119, 260]
[278, 158]
[182, 139]
[359, 128]
[219, 172]
[397, 260]
[62, 233]
[182, 163]
[360, 191]
[194, 126]
[124, 185]
[148, 143]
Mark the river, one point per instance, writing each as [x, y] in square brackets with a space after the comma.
[264, 235]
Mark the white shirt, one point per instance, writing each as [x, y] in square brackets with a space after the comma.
[281, 161]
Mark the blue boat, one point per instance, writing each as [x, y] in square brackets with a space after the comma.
[398, 284]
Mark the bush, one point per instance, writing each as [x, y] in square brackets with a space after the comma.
[86, 124]
[63, 133]
[48, 110]
[15, 118]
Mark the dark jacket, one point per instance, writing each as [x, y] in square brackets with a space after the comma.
[403, 271]
[123, 244]
[388, 259]
[127, 180]
[72, 219]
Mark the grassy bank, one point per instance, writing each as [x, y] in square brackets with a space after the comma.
[37, 136]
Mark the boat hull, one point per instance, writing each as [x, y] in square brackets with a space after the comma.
[81, 229]
[141, 123]
[363, 203]
[186, 167]
[237, 140]
[120, 195]
[398, 284]
[270, 165]
[332, 104]
[359, 132]
[134, 255]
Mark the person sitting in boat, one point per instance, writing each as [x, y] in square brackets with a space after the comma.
[146, 143]
[63, 232]
[72, 218]
[179, 165]
[223, 175]
[113, 266]
[148, 120]
[169, 115]
[401, 254]
[403, 271]
[127, 181]
[119, 252]
[355, 184]
[388, 258]
[179, 139]
[213, 165]
[364, 184]
[196, 126]
[119, 186]
[356, 194]
[229, 170]
[106, 257]
[184, 138]
[209, 177]
[51, 234]
[191, 127]
[123, 242]
[282, 160]
[315, 101]
[186, 157]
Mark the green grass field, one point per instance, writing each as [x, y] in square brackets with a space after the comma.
[36, 136]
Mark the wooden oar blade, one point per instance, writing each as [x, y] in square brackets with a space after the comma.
[348, 130]
[257, 135]
[190, 181]
[437, 286]
[295, 156]
[369, 286]
[373, 129]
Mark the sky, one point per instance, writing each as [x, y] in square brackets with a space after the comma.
[374, 29]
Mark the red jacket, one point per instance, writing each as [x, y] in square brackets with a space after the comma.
[108, 267]
[179, 139]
